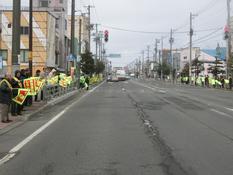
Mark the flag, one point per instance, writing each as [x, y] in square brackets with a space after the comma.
[22, 94]
[30, 84]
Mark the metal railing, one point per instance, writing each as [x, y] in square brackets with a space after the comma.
[52, 91]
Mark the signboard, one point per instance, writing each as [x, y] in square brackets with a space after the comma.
[114, 55]
[1, 62]
[71, 57]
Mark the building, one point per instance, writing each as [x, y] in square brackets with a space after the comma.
[206, 56]
[84, 32]
[185, 56]
[44, 40]
[59, 8]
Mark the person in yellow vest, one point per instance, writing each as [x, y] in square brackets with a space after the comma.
[16, 84]
[5, 97]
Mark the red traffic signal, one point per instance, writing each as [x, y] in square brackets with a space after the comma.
[106, 36]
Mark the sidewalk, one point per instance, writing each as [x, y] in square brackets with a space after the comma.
[32, 110]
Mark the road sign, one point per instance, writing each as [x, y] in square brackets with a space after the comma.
[71, 57]
[114, 55]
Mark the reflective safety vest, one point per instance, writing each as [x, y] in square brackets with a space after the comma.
[82, 79]
[19, 82]
[226, 81]
[7, 82]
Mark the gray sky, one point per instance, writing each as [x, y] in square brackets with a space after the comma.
[155, 16]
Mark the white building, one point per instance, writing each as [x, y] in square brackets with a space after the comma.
[59, 8]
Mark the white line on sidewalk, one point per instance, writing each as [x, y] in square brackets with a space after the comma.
[14, 150]
[221, 113]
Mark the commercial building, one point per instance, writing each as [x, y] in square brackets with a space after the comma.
[44, 39]
[80, 20]
[59, 8]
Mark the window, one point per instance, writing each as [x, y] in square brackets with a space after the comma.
[44, 3]
[4, 54]
[24, 56]
[57, 23]
[24, 30]
[185, 58]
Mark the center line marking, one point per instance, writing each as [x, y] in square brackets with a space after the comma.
[221, 113]
[14, 150]
[230, 109]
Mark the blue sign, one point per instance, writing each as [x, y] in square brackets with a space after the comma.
[71, 57]
[1, 62]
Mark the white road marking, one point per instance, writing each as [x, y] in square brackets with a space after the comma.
[230, 109]
[221, 113]
[14, 150]
[156, 89]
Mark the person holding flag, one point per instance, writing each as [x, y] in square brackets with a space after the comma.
[16, 84]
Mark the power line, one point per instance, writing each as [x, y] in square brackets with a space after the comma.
[209, 38]
[207, 7]
[208, 35]
[203, 39]
[155, 32]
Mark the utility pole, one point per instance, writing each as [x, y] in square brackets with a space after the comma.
[89, 25]
[171, 41]
[79, 51]
[101, 46]
[80, 36]
[143, 62]
[72, 27]
[148, 61]
[156, 52]
[30, 37]
[16, 34]
[161, 61]
[190, 46]
[229, 46]
[97, 39]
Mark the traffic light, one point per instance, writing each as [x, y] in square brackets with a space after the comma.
[106, 36]
[226, 32]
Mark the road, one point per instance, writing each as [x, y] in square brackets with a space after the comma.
[134, 127]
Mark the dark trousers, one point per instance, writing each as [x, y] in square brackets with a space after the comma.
[16, 108]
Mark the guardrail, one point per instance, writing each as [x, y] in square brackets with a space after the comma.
[52, 91]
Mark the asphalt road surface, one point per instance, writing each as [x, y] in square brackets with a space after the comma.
[134, 127]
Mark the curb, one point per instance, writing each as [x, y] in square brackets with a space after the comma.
[24, 118]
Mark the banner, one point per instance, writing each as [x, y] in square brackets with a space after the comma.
[33, 85]
[22, 94]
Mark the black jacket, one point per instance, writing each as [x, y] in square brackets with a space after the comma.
[5, 93]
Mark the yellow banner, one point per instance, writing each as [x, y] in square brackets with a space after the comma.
[22, 95]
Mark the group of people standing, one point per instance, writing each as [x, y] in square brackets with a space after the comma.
[218, 82]
[9, 86]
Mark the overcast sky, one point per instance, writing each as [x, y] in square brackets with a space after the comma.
[155, 16]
